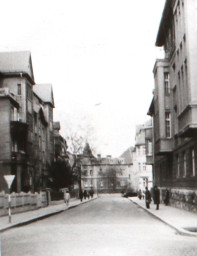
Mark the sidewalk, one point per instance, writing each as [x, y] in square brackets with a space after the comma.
[184, 222]
[23, 218]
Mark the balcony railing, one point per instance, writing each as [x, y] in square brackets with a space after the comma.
[19, 129]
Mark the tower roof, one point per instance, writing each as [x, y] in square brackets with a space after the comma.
[87, 151]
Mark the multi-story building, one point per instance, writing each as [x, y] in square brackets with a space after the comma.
[142, 169]
[103, 174]
[26, 124]
[174, 106]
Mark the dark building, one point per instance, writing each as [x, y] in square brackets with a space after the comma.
[174, 106]
[26, 124]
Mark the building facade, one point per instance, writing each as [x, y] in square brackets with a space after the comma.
[26, 124]
[142, 168]
[174, 106]
[104, 174]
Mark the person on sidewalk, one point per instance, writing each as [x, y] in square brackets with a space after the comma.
[81, 195]
[67, 197]
[167, 196]
[140, 194]
[147, 198]
[156, 197]
[85, 194]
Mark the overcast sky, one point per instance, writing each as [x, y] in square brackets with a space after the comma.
[98, 55]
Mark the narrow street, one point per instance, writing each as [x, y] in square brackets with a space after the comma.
[110, 225]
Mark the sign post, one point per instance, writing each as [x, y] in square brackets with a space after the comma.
[9, 179]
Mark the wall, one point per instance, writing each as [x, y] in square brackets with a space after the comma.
[22, 202]
[182, 198]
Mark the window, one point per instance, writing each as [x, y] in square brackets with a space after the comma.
[184, 38]
[174, 67]
[150, 148]
[29, 93]
[19, 89]
[14, 146]
[122, 183]
[14, 114]
[184, 165]
[168, 124]
[143, 150]
[181, 46]
[193, 162]
[186, 75]
[178, 166]
[167, 83]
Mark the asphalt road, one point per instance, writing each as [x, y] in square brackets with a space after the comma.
[110, 225]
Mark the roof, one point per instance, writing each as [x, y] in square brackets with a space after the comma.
[165, 22]
[56, 125]
[87, 150]
[44, 92]
[16, 62]
[127, 155]
[151, 108]
[140, 135]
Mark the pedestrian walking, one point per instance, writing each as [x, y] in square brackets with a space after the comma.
[85, 194]
[140, 194]
[156, 197]
[147, 198]
[67, 197]
[81, 195]
[91, 193]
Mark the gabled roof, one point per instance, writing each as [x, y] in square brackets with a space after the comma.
[127, 155]
[44, 92]
[16, 62]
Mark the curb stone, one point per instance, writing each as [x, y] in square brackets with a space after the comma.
[180, 231]
[46, 215]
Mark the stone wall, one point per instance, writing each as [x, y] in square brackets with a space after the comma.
[181, 198]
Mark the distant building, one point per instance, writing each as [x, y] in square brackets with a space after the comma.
[144, 170]
[103, 174]
[174, 106]
[128, 159]
[26, 124]
[142, 167]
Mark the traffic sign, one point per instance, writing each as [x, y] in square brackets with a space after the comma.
[9, 179]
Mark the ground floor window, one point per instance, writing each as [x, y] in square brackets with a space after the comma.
[193, 162]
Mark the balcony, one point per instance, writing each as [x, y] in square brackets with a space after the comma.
[163, 146]
[188, 121]
[19, 129]
[149, 159]
[6, 93]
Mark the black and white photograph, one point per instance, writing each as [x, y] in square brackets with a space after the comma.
[98, 128]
